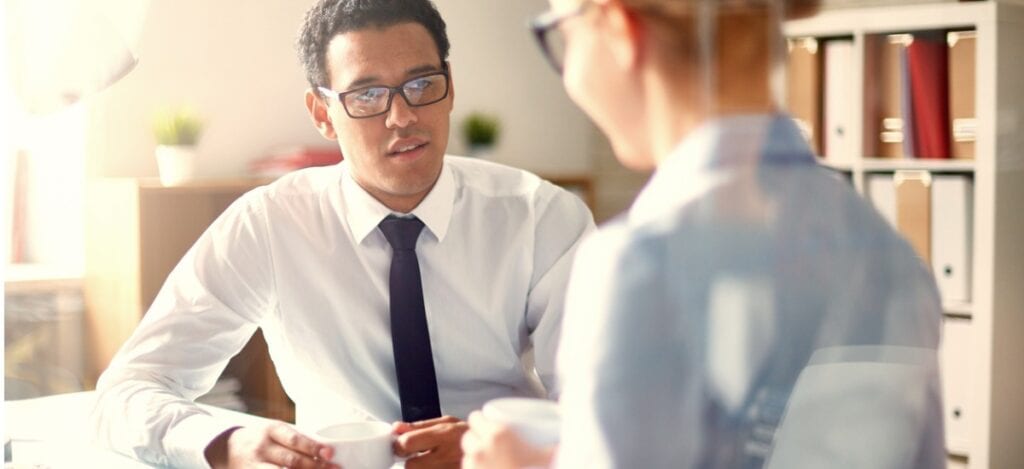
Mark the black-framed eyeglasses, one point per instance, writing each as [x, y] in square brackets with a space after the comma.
[550, 37]
[371, 101]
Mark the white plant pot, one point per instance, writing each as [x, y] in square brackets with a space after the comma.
[176, 164]
[483, 152]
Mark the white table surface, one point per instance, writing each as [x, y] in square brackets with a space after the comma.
[54, 432]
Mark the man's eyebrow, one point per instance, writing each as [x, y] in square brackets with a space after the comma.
[362, 81]
[373, 79]
[422, 69]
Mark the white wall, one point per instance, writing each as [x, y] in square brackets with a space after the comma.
[235, 63]
[499, 69]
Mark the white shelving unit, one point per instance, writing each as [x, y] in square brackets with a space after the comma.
[983, 373]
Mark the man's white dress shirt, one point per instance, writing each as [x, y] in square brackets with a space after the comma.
[303, 259]
[750, 310]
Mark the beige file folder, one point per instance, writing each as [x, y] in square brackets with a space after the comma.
[890, 119]
[961, 92]
[913, 210]
[803, 89]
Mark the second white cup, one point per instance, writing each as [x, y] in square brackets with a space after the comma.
[537, 421]
[360, 445]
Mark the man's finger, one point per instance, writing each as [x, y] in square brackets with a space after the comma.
[284, 457]
[398, 428]
[421, 440]
[403, 427]
[415, 441]
[447, 455]
[287, 436]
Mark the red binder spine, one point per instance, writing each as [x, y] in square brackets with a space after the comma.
[929, 86]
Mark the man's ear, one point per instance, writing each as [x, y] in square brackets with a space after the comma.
[317, 108]
[626, 34]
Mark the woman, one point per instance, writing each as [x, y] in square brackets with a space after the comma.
[750, 309]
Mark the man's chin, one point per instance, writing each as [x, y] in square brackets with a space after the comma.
[411, 187]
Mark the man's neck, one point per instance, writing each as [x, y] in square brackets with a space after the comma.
[400, 203]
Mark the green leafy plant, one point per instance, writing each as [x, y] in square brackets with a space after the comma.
[480, 129]
[180, 126]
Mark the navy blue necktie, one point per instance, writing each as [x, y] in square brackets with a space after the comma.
[410, 337]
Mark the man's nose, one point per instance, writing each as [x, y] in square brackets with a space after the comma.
[401, 114]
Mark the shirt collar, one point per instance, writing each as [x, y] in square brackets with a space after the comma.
[364, 212]
[693, 167]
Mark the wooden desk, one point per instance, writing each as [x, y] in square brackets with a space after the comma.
[580, 184]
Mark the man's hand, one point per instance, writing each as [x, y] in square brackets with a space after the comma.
[432, 443]
[490, 445]
[274, 445]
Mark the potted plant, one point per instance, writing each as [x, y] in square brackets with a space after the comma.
[481, 133]
[177, 133]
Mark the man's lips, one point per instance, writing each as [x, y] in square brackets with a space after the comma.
[406, 146]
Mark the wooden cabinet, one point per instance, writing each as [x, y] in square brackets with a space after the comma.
[136, 232]
[580, 185]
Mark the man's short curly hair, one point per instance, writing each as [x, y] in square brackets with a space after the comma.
[328, 18]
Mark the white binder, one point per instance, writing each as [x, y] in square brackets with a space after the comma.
[955, 368]
[882, 194]
[839, 105]
[952, 201]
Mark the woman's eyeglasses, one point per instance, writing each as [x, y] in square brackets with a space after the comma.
[549, 36]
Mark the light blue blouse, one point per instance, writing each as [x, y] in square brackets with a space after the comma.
[750, 310]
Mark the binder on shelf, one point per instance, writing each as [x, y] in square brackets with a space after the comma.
[890, 114]
[881, 192]
[907, 102]
[803, 89]
[927, 57]
[839, 105]
[913, 210]
[964, 126]
[951, 218]
[955, 368]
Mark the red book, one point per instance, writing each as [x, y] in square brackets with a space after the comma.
[929, 88]
[287, 159]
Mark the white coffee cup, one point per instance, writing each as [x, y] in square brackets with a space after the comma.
[360, 445]
[537, 421]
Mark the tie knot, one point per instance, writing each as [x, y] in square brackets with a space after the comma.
[401, 233]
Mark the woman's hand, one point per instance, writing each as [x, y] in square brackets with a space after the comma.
[490, 445]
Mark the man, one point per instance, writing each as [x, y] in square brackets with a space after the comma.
[358, 272]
